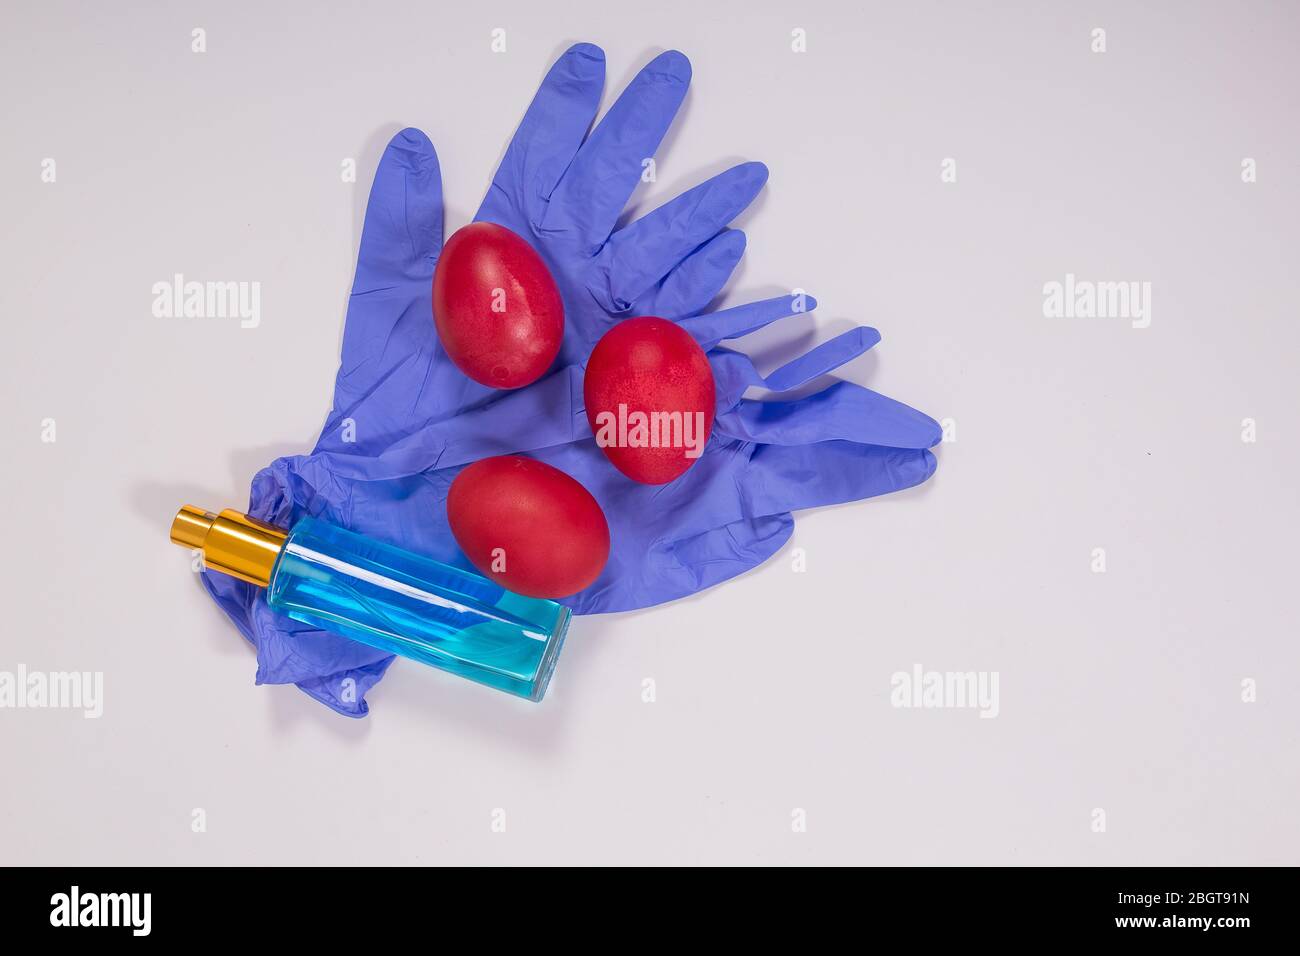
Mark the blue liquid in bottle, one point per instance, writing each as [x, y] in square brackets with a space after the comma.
[400, 602]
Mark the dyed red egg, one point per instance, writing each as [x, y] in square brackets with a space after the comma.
[650, 398]
[528, 526]
[497, 309]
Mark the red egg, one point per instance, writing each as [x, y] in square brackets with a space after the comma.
[650, 398]
[528, 526]
[497, 309]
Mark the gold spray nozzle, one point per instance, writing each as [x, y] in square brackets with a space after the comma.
[231, 543]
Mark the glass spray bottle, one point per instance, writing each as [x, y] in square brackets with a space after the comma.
[386, 597]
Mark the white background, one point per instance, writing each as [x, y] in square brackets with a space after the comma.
[1120, 691]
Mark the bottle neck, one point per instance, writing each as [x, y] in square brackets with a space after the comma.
[230, 542]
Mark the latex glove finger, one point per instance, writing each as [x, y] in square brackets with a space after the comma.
[400, 242]
[598, 183]
[843, 411]
[402, 233]
[699, 279]
[695, 283]
[783, 478]
[740, 320]
[821, 359]
[548, 137]
[733, 372]
[643, 252]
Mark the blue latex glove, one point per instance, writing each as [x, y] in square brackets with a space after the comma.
[404, 418]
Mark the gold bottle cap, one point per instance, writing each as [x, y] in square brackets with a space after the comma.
[231, 543]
